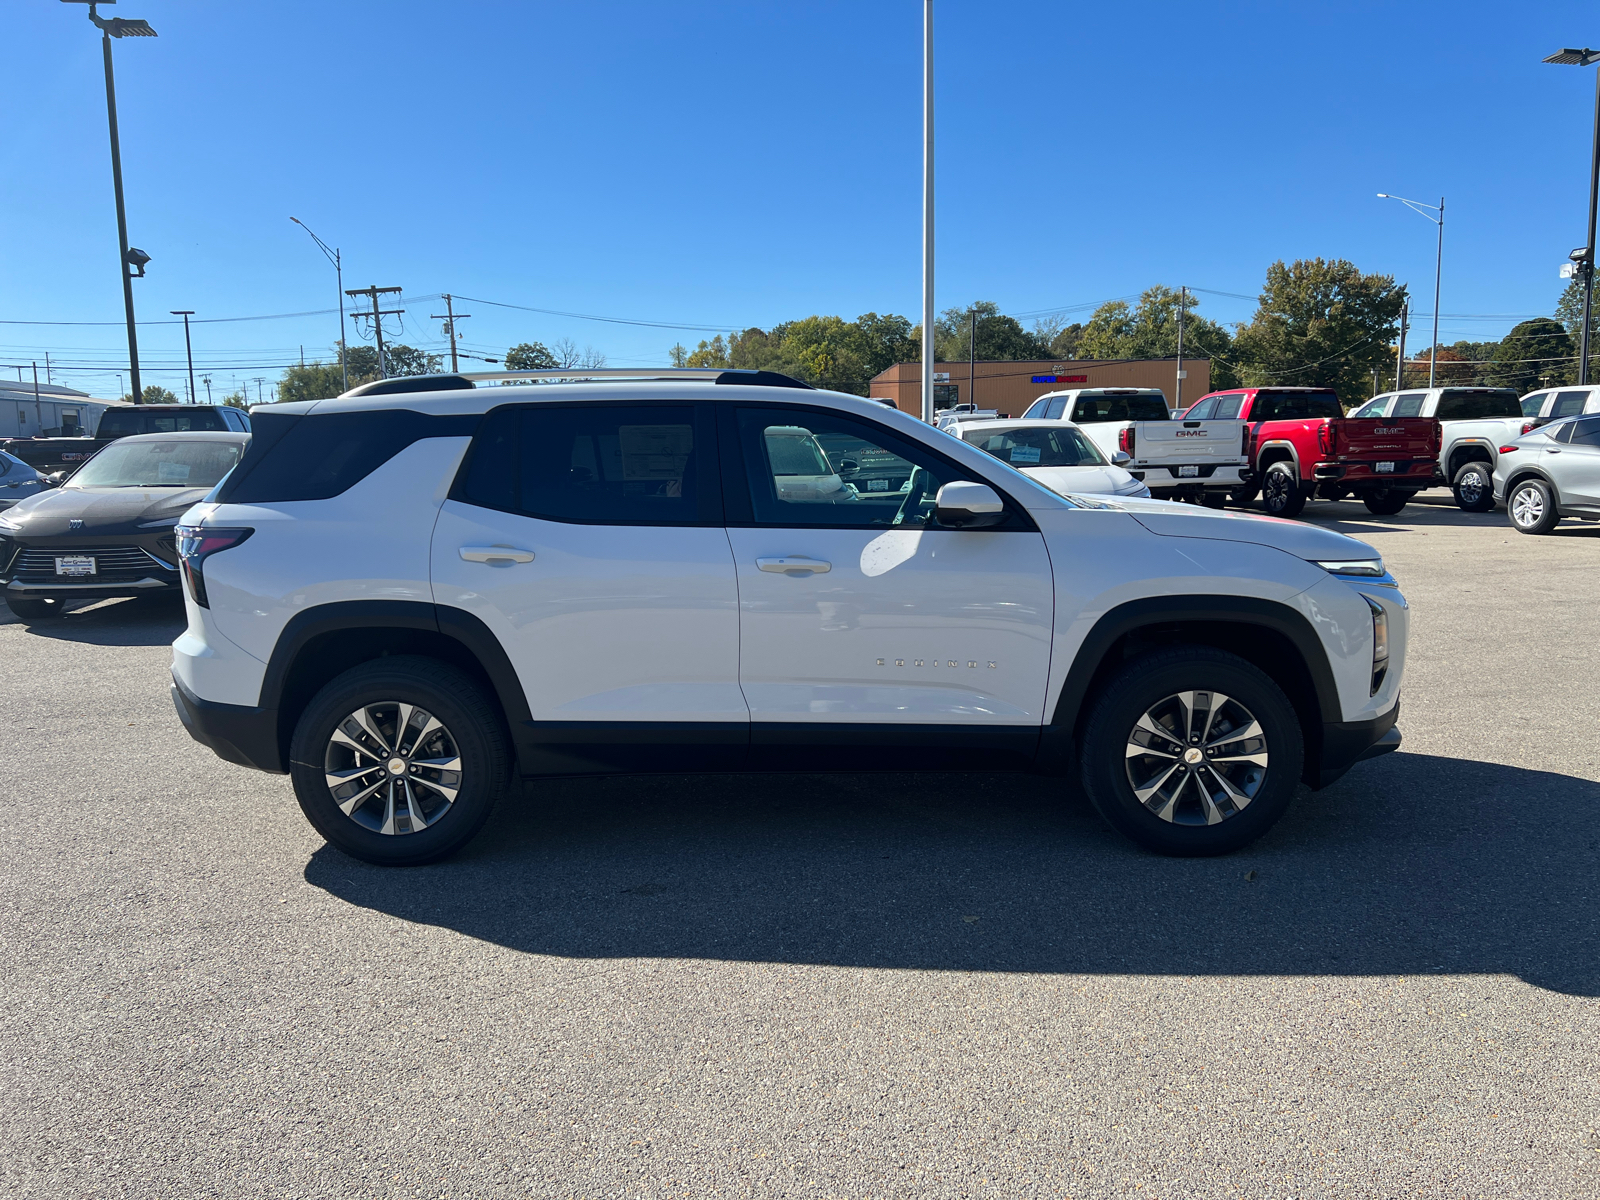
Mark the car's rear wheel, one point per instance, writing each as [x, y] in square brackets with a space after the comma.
[399, 761]
[35, 609]
[1192, 751]
[1474, 487]
[1532, 508]
[1281, 494]
[1243, 494]
[1385, 502]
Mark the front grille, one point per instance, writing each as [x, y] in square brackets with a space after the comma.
[113, 564]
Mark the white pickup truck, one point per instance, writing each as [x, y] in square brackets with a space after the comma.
[1474, 423]
[1177, 459]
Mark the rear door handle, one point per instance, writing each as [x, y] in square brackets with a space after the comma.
[794, 564]
[489, 554]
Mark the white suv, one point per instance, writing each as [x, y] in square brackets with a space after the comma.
[408, 599]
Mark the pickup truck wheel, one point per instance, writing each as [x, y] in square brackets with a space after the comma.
[1385, 502]
[1532, 508]
[1474, 487]
[1243, 495]
[399, 761]
[29, 611]
[1281, 494]
[1192, 751]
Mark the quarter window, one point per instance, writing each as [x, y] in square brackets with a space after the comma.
[1586, 432]
[1568, 404]
[1408, 405]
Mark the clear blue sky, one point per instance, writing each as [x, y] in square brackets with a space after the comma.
[734, 164]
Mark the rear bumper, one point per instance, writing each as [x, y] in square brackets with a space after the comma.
[1207, 477]
[1345, 743]
[1411, 475]
[234, 732]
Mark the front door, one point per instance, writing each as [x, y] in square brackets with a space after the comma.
[588, 538]
[856, 608]
[1577, 470]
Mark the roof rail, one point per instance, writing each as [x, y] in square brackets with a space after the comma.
[467, 379]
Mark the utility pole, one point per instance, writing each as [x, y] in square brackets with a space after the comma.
[49, 377]
[1374, 381]
[451, 316]
[188, 347]
[972, 363]
[928, 356]
[377, 314]
[259, 381]
[206, 379]
[1400, 358]
[38, 411]
[1183, 303]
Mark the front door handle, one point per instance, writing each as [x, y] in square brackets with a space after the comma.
[795, 564]
[491, 554]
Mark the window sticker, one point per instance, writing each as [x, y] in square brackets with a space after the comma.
[1024, 456]
[172, 472]
[655, 451]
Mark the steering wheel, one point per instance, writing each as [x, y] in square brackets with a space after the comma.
[915, 495]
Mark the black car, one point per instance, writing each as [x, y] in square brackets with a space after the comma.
[108, 530]
[51, 454]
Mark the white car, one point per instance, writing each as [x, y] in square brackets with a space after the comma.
[408, 599]
[1056, 453]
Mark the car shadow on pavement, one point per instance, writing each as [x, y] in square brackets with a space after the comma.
[142, 621]
[1411, 865]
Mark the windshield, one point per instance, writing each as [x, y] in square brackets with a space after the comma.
[1120, 408]
[1039, 447]
[176, 463]
[1468, 406]
[123, 422]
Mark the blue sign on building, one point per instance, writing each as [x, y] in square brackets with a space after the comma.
[1044, 379]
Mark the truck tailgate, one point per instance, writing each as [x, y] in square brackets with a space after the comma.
[1164, 443]
[1389, 438]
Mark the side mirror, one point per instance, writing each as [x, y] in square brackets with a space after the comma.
[967, 505]
[1120, 458]
[848, 466]
[55, 478]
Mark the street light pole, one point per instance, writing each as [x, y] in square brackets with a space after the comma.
[1417, 207]
[109, 28]
[1585, 58]
[928, 357]
[338, 273]
[188, 348]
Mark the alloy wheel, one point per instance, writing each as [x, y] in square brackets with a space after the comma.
[1527, 507]
[392, 767]
[1196, 758]
[1473, 486]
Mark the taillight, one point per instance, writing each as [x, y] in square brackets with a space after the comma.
[1125, 440]
[1529, 426]
[195, 545]
[1509, 449]
[1325, 439]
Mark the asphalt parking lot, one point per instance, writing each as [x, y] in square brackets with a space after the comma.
[823, 986]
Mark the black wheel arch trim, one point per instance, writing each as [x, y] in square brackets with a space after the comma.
[1152, 612]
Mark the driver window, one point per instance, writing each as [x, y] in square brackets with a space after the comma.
[816, 469]
[1373, 408]
[1203, 411]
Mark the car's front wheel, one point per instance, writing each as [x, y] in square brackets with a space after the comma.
[1281, 493]
[399, 761]
[1532, 507]
[1474, 487]
[1192, 751]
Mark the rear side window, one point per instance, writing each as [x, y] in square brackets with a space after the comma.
[319, 456]
[1228, 407]
[1586, 432]
[121, 423]
[1409, 405]
[1091, 409]
[1568, 404]
[595, 464]
[1057, 407]
[1468, 406]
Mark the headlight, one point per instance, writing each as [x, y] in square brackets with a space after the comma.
[1366, 568]
[1380, 643]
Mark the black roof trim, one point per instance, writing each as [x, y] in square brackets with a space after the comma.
[410, 383]
[762, 379]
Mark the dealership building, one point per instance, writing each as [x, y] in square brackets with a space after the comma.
[1009, 387]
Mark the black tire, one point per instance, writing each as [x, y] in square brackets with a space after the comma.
[1474, 487]
[1281, 493]
[1213, 499]
[1385, 502]
[379, 830]
[1531, 507]
[1150, 683]
[1243, 495]
[29, 611]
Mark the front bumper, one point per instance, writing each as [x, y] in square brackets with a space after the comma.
[236, 733]
[1345, 743]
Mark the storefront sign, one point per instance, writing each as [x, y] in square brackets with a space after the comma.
[1060, 379]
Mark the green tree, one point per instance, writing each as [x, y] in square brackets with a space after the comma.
[1533, 353]
[1150, 330]
[530, 356]
[236, 400]
[313, 381]
[407, 360]
[998, 338]
[1569, 311]
[880, 342]
[1321, 323]
[708, 354]
[679, 354]
[151, 394]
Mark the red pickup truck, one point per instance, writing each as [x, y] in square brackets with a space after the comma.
[1301, 445]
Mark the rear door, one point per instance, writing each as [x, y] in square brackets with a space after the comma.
[1575, 467]
[588, 538]
[856, 609]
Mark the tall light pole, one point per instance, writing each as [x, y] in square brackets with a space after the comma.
[1586, 58]
[188, 348]
[1418, 207]
[338, 273]
[928, 355]
[128, 256]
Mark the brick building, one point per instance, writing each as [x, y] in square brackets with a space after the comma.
[1009, 387]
